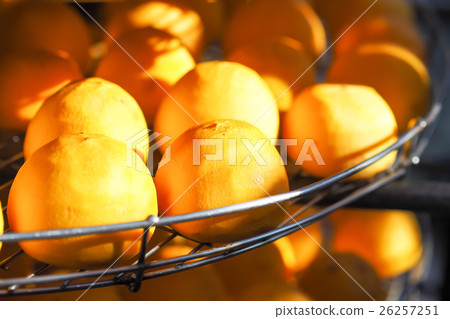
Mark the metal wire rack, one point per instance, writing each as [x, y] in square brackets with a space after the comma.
[410, 147]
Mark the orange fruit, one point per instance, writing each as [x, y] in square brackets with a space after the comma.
[270, 291]
[382, 29]
[330, 279]
[23, 88]
[390, 240]
[264, 18]
[338, 16]
[218, 90]
[338, 126]
[46, 26]
[197, 284]
[282, 63]
[395, 72]
[212, 13]
[76, 181]
[92, 105]
[220, 174]
[305, 243]
[172, 17]
[158, 61]
[265, 264]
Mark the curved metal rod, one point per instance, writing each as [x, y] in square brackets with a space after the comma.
[227, 250]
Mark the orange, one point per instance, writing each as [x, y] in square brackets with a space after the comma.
[197, 284]
[305, 243]
[337, 126]
[46, 26]
[395, 72]
[265, 264]
[172, 17]
[269, 291]
[264, 18]
[158, 60]
[382, 29]
[282, 63]
[92, 105]
[330, 279]
[76, 181]
[339, 15]
[218, 90]
[390, 240]
[26, 80]
[225, 172]
[212, 13]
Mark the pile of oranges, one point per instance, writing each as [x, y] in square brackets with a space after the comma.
[100, 107]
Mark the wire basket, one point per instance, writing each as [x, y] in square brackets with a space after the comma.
[410, 147]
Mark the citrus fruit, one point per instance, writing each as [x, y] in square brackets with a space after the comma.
[26, 80]
[282, 63]
[270, 291]
[172, 17]
[395, 72]
[305, 243]
[382, 29]
[158, 61]
[212, 13]
[225, 172]
[338, 16]
[77, 181]
[218, 90]
[47, 26]
[337, 126]
[197, 284]
[264, 264]
[390, 240]
[264, 18]
[92, 105]
[341, 277]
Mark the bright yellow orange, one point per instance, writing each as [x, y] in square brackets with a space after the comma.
[390, 240]
[265, 264]
[208, 178]
[395, 72]
[282, 63]
[270, 291]
[27, 79]
[92, 105]
[76, 181]
[264, 18]
[330, 279]
[48, 26]
[382, 29]
[305, 243]
[198, 284]
[218, 90]
[158, 61]
[339, 15]
[338, 126]
[212, 13]
[172, 17]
